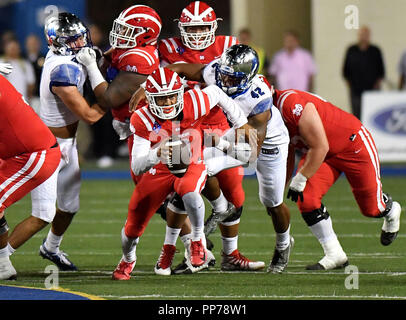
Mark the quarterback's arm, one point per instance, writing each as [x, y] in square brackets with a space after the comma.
[72, 98]
[191, 71]
[312, 131]
[143, 157]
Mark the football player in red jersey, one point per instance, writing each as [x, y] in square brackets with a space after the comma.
[170, 112]
[133, 57]
[333, 142]
[199, 44]
[29, 155]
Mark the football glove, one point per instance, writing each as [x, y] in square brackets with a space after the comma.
[296, 187]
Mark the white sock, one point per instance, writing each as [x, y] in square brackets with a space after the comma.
[194, 206]
[283, 240]
[53, 242]
[197, 233]
[186, 239]
[11, 250]
[220, 204]
[4, 252]
[171, 235]
[333, 248]
[323, 230]
[128, 245]
[229, 244]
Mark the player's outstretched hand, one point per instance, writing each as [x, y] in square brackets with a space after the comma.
[296, 187]
[136, 98]
[86, 56]
[6, 68]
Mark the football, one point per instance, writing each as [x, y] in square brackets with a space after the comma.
[181, 156]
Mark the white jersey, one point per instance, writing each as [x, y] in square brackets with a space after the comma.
[59, 71]
[257, 99]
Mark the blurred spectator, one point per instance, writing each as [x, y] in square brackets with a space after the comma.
[104, 138]
[402, 72]
[22, 77]
[363, 68]
[6, 37]
[245, 37]
[37, 59]
[292, 67]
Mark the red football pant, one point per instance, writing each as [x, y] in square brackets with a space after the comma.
[153, 188]
[22, 173]
[230, 182]
[360, 163]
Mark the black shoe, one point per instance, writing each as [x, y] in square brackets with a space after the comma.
[388, 237]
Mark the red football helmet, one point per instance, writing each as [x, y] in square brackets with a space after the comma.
[161, 88]
[135, 26]
[198, 14]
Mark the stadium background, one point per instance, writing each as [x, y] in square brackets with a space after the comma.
[322, 31]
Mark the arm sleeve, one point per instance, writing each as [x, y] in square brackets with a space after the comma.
[143, 157]
[65, 75]
[261, 107]
[234, 114]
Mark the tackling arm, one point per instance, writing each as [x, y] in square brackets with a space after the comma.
[72, 98]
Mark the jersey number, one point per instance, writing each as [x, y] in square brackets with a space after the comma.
[257, 92]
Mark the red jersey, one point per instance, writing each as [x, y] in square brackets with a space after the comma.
[187, 126]
[21, 130]
[142, 60]
[341, 127]
[173, 51]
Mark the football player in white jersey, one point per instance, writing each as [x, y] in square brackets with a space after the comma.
[62, 106]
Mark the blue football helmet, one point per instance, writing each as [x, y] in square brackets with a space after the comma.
[66, 34]
[236, 68]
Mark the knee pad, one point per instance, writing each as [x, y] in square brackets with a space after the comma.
[315, 216]
[388, 202]
[3, 225]
[175, 204]
[234, 218]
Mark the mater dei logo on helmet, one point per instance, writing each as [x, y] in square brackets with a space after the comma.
[392, 119]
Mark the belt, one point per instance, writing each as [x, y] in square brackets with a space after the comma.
[270, 151]
[55, 145]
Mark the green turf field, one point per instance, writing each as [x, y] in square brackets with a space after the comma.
[93, 244]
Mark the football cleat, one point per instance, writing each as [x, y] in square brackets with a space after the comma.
[280, 259]
[164, 263]
[330, 263]
[123, 270]
[235, 261]
[185, 267]
[7, 271]
[59, 258]
[391, 224]
[198, 253]
[216, 217]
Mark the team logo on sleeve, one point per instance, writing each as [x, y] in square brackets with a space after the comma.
[156, 127]
[298, 109]
[131, 68]
[180, 50]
